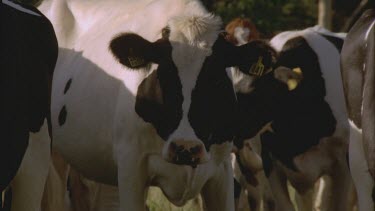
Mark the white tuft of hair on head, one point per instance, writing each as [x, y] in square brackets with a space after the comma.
[197, 27]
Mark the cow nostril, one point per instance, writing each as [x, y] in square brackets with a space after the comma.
[196, 150]
[186, 153]
[175, 148]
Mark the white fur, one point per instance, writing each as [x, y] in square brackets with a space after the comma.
[19, 7]
[241, 82]
[103, 137]
[241, 34]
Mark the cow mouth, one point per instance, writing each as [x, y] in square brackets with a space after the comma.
[186, 157]
[190, 153]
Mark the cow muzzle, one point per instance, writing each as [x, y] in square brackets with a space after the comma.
[187, 152]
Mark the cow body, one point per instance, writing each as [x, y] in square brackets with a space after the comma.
[309, 135]
[126, 127]
[255, 191]
[28, 57]
[319, 144]
[359, 80]
[251, 186]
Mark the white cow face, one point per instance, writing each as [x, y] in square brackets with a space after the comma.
[189, 98]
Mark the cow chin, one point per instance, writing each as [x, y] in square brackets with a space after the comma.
[185, 152]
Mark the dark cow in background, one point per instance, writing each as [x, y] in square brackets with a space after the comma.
[241, 31]
[28, 57]
[358, 71]
[251, 186]
[303, 102]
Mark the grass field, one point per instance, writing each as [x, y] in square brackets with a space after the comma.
[156, 201]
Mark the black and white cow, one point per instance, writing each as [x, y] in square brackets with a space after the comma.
[303, 100]
[28, 57]
[250, 183]
[358, 73]
[163, 99]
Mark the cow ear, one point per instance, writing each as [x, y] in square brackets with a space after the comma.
[253, 58]
[291, 77]
[133, 51]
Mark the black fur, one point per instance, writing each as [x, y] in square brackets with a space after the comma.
[299, 117]
[163, 109]
[237, 189]
[337, 42]
[28, 57]
[67, 86]
[62, 116]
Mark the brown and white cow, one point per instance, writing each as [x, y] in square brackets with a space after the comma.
[27, 61]
[358, 71]
[141, 97]
[303, 100]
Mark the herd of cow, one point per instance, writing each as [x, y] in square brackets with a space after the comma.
[134, 94]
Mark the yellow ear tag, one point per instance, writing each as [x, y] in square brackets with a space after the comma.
[257, 68]
[293, 83]
[134, 61]
[297, 70]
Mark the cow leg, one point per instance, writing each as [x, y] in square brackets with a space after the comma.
[304, 200]
[266, 193]
[322, 193]
[340, 186]
[132, 190]
[218, 192]
[269, 204]
[132, 180]
[90, 195]
[254, 197]
[359, 170]
[79, 192]
[55, 187]
[278, 184]
[28, 184]
[237, 193]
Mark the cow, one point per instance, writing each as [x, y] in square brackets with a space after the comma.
[358, 72]
[253, 189]
[249, 179]
[28, 56]
[300, 105]
[141, 97]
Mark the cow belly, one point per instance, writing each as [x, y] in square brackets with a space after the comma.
[91, 157]
[84, 101]
[83, 136]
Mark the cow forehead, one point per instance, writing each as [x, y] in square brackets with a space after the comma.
[192, 38]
